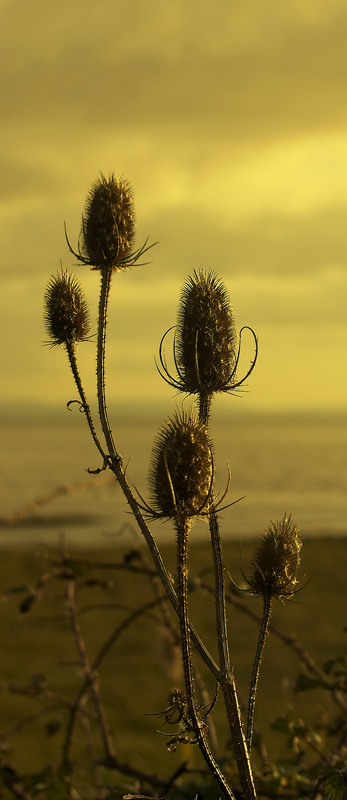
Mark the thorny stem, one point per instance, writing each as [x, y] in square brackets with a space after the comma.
[106, 276]
[114, 462]
[204, 402]
[71, 352]
[165, 577]
[291, 641]
[226, 679]
[183, 527]
[256, 667]
[89, 674]
[222, 636]
[172, 631]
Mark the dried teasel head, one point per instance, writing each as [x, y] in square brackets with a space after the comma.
[206, 341]
[181, 471]
[66, 314]
[206, 345]
[108, 227]
[177, 706]
[108, 224]
[276, 560]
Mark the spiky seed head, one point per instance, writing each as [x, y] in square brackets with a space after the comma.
[66, 314]
[276, 560]
[108, 224]
[177, 699]
[181, 470]
[205, 334]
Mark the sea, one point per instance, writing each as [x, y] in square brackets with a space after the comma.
[279, 464]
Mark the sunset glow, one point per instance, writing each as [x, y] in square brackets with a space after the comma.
[230, 122]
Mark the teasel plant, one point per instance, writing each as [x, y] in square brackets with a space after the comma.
[181, 482]
[106, 244]
[67, 323]
[206, 347]
[207, 353]
[273, 576]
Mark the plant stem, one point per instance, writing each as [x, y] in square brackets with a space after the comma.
[256, 667]
[88, 672]
[204, 402]
[226, 679]
[222, 636]
[166, 578]
[115, 464]
[95, 666]
[183, 527]
[71, 352]
[106, 276]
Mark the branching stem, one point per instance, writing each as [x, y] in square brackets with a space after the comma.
[71, 352]
[183, 527]
[88, 672]
[226, 679]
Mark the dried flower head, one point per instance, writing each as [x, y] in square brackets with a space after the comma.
[206, 346]
[181, 471]
[276, 560]
[66, 312]
[108, 227]
[177, 706]
[205, 334]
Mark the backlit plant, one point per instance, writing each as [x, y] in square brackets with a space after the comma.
[206, 356]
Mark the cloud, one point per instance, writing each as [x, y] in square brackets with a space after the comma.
[248, 71]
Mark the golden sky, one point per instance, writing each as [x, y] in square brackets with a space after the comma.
[229, 119]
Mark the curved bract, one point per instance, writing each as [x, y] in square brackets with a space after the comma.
[108, 227]
[206, 348]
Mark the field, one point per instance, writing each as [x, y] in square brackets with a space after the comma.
[40, 671]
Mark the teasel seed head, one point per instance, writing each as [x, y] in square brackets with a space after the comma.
[206, 347]
[108, 227]
[206, 338]
[177, 699]
[276, 560]
[181, 470]
[66, 314]
[108, 224]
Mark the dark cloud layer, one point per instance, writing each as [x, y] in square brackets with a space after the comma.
[297, 81]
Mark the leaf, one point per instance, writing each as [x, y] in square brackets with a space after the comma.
[334, 784]
[305, 682]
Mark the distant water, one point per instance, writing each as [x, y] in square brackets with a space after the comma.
[280, 463]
